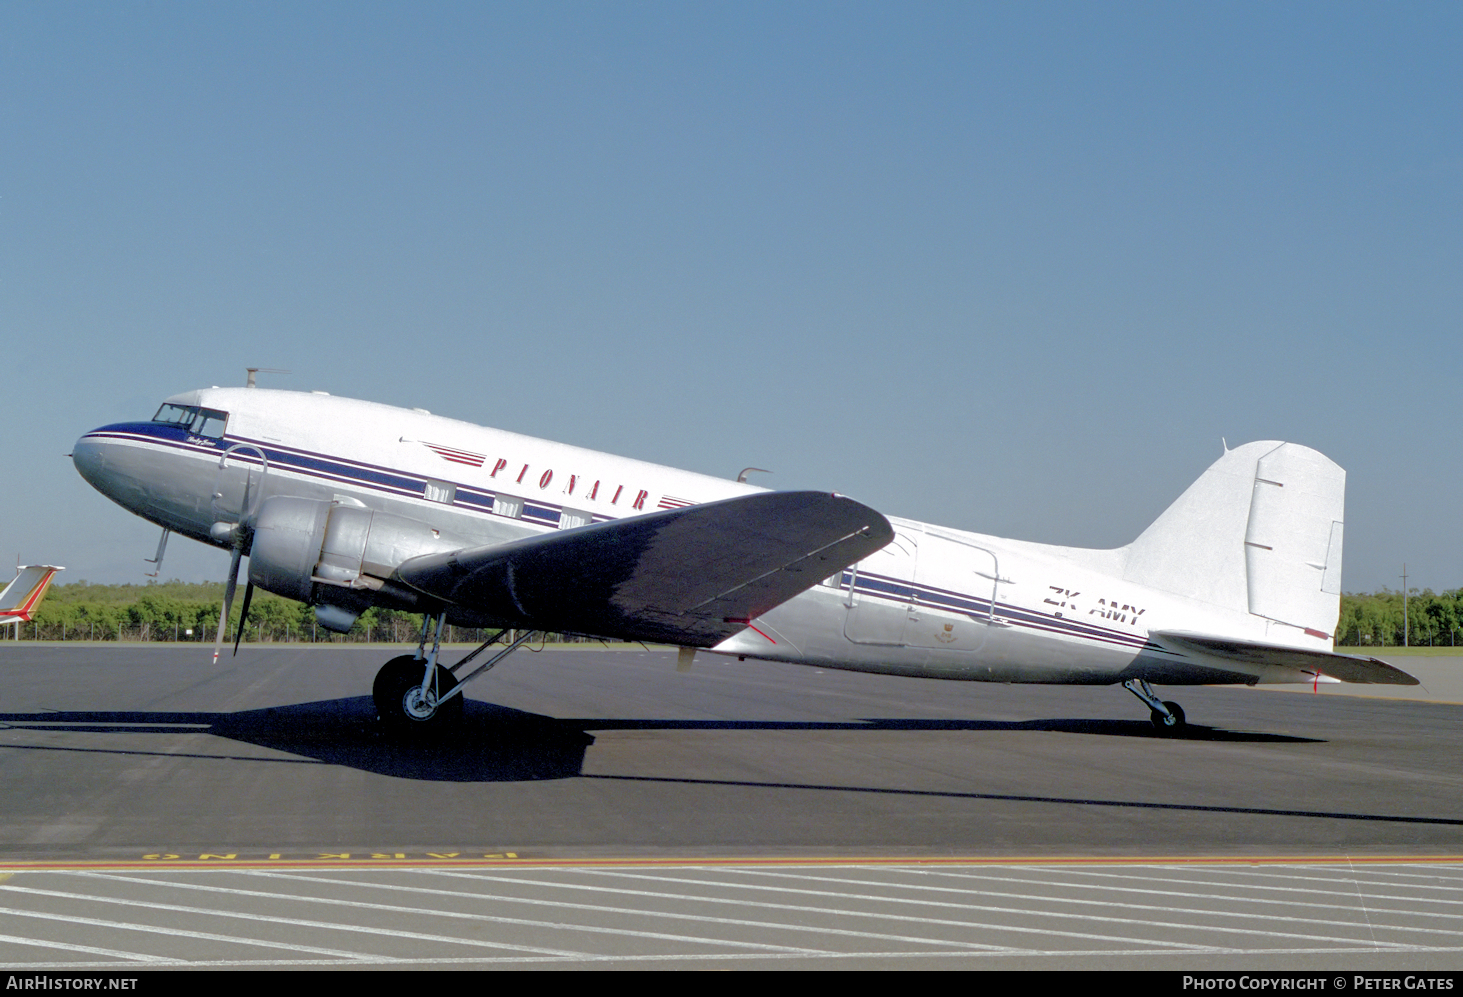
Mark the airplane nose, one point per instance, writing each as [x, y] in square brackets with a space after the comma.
[109, 465]
[90, 459]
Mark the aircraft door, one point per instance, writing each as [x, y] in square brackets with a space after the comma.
[239, 485]
[879, 601]
[954, 595]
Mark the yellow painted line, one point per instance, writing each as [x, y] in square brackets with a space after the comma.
[225, 860]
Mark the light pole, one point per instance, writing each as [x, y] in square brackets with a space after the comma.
[1404, 604]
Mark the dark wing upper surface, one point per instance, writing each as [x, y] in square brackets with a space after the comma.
[690, 576]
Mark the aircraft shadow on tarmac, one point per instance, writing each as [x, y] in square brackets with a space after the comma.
[500, 744]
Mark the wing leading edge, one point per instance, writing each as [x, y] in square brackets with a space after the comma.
[691, 576]
[1346, 667]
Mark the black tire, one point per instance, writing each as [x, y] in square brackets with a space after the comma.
[399, 677]
[1168, 725]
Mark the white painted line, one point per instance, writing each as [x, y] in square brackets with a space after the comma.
[1264, 886]
[90, 949]
[639, 911]
[1235, 897]
[297, 922]
[748, 957]
[174, 932]
[1061, 915]
[428, 912]
[1358, 879]
[839, 912]
[1248, 915]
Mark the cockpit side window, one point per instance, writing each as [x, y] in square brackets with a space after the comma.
[176, 415]
[210, 422]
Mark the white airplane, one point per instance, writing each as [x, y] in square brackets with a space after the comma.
[345, 504]
[22, 597]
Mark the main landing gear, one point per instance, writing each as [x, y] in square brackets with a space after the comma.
[413, 693]
[1166, 716]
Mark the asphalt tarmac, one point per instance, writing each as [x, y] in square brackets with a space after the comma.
[122, 753]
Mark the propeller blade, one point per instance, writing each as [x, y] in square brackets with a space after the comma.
[223, 616]
[243, 616]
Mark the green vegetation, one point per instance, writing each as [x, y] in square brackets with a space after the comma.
[1375, 619]
[166, 611]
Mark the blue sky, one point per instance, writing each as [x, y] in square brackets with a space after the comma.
[1014, 268]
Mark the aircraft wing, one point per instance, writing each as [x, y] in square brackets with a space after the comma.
[1346, 667]
[691, 576]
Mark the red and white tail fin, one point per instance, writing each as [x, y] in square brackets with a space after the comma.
[1259, 532]
[20, 599]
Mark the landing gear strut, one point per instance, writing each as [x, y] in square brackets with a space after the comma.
[414, 693]
[1168, 717]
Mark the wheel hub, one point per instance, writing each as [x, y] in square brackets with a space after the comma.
[419, 705]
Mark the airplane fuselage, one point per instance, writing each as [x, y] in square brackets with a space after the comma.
[936, 602]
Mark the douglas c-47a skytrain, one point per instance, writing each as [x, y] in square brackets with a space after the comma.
[347, 504]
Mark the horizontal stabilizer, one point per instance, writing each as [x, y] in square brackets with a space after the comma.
[1345, 667]
[691, 576]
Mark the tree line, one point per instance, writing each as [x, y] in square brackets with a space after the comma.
[189, 611]
[168, 611]
[1375, 619]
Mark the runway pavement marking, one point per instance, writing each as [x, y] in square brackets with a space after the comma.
[528, 961]
[772, 925]
[499, 858]
[1353, 877]
[1062, 915]
[815, 909]
[1282, 889]
[133, 957]
[1046, 898]
[1256, 887]
[457, 915]
[1435, 873]
[1015, 929]
[1279, 882]
[297, 922]
[1357, 888]
[1136, 889]
[1344, 869]
[175, 932]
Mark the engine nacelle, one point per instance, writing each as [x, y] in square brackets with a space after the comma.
[337, 553]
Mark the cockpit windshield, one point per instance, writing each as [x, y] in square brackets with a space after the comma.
[199, 421]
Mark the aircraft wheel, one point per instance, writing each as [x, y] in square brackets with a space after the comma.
[1169, 724]
[399, 700]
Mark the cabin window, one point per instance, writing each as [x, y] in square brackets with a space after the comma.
[176, 415]
[210, 423]
[569, 519]
[198, 421]
[504, 505]
[440, 491]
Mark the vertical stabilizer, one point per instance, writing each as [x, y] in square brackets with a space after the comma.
[19, 599]
[1259, 532]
